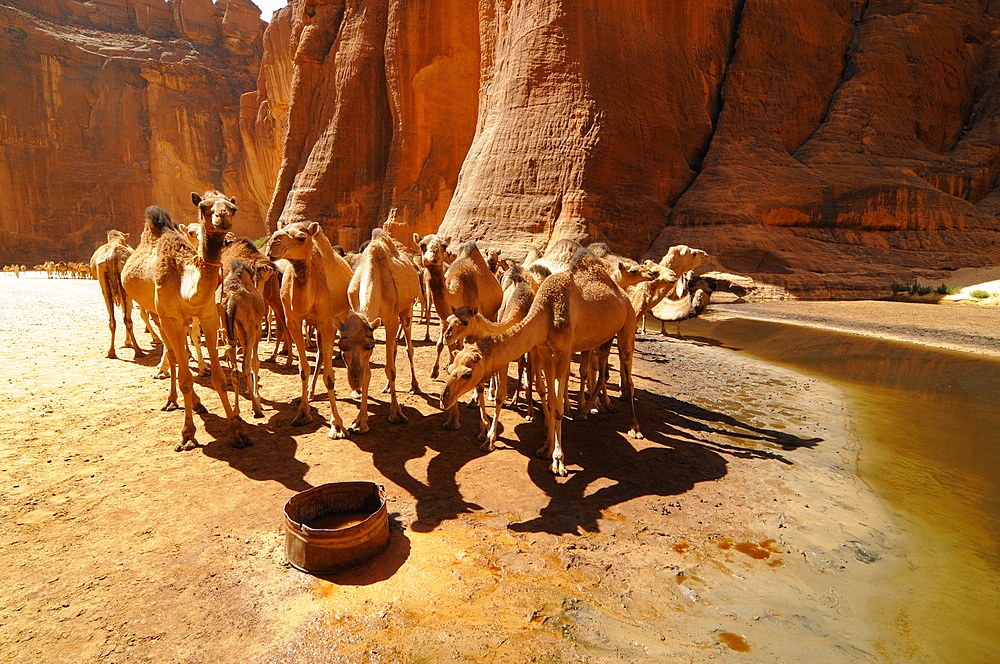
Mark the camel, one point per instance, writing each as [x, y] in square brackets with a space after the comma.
[467, 323]
[669, 301]
[467, 283]
[266, 278]
[243, 311]
[106, 264]
[576, 310]
[433, 258]
[177, 283]
[314, 291]
[382, 290]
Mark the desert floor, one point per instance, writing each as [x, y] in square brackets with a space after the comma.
[735, 530]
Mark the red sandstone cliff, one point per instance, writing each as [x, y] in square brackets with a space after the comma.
[108, 106]
[819, 145]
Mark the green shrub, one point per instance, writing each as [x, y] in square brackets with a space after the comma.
[917, 289]
[259, 242]
[899, 288]
[945, 290]
[981, 294]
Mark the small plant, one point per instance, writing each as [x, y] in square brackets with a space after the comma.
[899, 288]
[945, 290]
[917, 289]
[259, 242]
[981, 294]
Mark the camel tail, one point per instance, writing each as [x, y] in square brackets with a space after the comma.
[111, 282]
[158, 219]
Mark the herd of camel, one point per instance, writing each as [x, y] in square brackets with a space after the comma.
[57, 269]
[564, 302]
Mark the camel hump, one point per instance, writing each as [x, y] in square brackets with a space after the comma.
[599, 249]
[158, 219]
[237, 267]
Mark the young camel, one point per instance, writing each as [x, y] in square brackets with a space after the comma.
[382, 290]
[106, 264]
[267, 279]
[433, 258]
[467, 283]
[177, 283]
[243, 311]
[314, 291]
[576, 310]
[467, 323]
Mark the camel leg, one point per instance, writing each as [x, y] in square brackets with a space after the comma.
[325, 338]
[237, 437]
[233, 370]
[130, 339]
[174, 343]
[304, 415]
[253, 375]
[396, 415]
[195, 333]
[361, 421]
[110, 304]
[171, 367]
[437, 353]
[601, 355]
[626, 346]
[316, 369]
[490, 443]
[557, 378]
[150, 326]
[407, 324]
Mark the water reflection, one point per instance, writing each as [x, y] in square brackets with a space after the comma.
[929, 425]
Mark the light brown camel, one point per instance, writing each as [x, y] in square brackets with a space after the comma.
[576, 310]
[177, 283]
[434, 259]
[106, 264]
[314, 291]
[469, 324]
[383, 288]
[243, 311]
[669, 295]
[267, 279]
[467, 283]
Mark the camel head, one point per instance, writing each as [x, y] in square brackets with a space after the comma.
[682, 259]
[292, 242]
[192, 233]
[357, 341]
[467, 370]
[117, 236]
[215, 210]
[634, 274]
[433, 248]
[457, 323]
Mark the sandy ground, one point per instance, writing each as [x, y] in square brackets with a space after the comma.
[735, 531]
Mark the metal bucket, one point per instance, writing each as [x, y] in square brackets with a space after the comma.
[325, 550]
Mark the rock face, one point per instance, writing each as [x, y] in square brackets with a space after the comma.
[827, 147]
[109, 106]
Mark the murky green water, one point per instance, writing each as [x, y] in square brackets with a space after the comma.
[929, 425]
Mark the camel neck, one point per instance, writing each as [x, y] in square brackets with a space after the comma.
[210, 248]
[518, 339]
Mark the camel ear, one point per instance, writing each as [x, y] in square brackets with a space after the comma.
[312, 228]
[473, 311]
[447, 239]
[182, 228]
[376, 324]
[126, 237]
[196, 199]
[416, 239]
[233, 201]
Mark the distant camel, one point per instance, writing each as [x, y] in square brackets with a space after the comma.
[177, 282]
[106, 264]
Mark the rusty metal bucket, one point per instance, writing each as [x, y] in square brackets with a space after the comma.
[349, 527]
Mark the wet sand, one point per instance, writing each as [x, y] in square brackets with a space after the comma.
[737, 520]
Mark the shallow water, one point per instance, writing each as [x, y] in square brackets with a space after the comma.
[929, 426]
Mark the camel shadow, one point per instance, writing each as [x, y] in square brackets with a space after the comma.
[270, 458]
[440, 499]
[674, 465]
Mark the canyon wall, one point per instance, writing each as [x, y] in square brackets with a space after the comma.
[108, 106]
[825, 147]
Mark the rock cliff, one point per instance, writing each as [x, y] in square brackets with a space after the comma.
[108, 106]
[827, 147]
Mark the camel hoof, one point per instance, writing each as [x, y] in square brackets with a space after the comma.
[488, 446]
[434, 373]
[241, 440]
[187, 445]
[542, 452]
[635, 433]
[140, 353]
[414, 389]
[258, 414]
[397, 418]
[302, 419]
[200, 408]
[358, 427]
[450, 426]
[558, 469]
[159, 375]
[355, 394]
[170, 406]
[111, 355]
[337, 433]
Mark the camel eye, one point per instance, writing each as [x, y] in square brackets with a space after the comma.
[465, 375]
